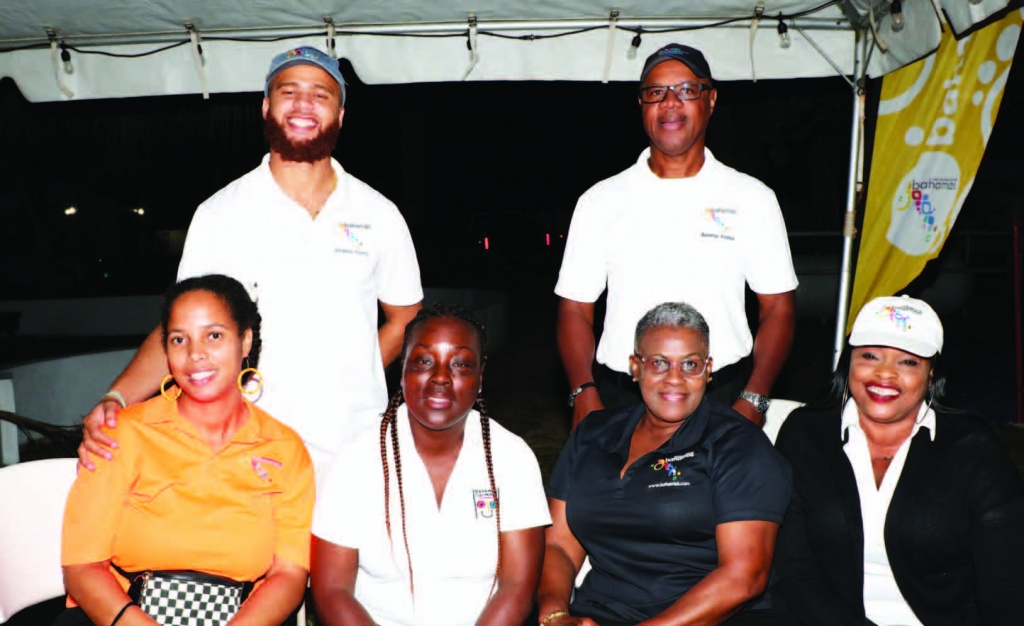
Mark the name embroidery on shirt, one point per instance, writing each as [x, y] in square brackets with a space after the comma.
[352, 238]
[668, 465]
[261, 471]
[720, 223]
[483, 503]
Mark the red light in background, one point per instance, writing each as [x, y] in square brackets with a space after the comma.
[547, 239]
[487, 244]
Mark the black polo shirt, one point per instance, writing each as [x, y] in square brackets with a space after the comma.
[650, 535]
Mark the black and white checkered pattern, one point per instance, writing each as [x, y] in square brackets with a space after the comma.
[174, 602]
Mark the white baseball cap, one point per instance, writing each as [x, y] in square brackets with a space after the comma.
[899, 322]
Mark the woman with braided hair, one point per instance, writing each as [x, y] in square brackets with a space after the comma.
[437, 519]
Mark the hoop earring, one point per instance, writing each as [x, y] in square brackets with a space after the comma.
[259, 380]
[163, 388]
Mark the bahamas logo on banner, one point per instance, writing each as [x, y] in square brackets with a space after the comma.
[934, 120]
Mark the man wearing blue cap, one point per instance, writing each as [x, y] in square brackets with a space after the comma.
[676, 226]
[318, 250]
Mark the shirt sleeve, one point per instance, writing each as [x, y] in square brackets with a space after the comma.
[340, 501]
[997, 544]
[584, 273]
[200, 240]
[751, 480]
[523, 504]
[398, 271]
[769, 266]
[293, 510]
[560, 483]
[95, 504]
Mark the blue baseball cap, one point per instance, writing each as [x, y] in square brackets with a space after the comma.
[305, 55]
[690, 57]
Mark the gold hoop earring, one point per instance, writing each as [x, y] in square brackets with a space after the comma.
[163, 388]
[259, 381]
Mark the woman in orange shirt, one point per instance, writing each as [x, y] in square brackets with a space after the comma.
[206, 491]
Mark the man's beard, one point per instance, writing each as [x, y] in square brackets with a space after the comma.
[309, 151]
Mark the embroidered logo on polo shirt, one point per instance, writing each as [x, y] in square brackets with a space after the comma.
[258, 463]
[483, 503]
[352, 238]
[720, 223]
[672, 471]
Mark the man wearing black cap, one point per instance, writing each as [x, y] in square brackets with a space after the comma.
[676, 226]
[318, 250]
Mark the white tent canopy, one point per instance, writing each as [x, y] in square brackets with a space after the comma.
[81, 49]
[124, 48]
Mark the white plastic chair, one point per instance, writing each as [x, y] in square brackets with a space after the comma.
[32, 497]
[777, 413]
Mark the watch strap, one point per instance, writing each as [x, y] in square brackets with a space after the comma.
[577, 391]
[759, 401]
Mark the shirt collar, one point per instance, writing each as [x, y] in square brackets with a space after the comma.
[471, 435]
[710, 163]
[252, 431]
[689, 432]
[851, 419]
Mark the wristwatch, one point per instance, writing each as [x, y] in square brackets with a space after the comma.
[760, 402]
[577, 391]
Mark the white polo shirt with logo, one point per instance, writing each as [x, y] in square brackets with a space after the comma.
[454, 547]
[317, 283]
[698, 240]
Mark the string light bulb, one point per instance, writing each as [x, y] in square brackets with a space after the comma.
[784, 39]
[896, 11]
[634, 46]
[65, 58]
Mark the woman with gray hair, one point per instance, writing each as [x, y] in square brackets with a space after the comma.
[676, 501]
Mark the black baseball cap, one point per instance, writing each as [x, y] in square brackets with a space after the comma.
[690, 57]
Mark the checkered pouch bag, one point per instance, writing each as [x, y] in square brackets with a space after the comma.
[187, 598]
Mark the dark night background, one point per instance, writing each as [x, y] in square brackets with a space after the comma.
[465, 161]
[461, 160]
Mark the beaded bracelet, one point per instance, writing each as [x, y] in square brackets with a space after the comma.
[113, 394]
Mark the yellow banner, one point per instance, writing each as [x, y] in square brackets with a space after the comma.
[934, 120]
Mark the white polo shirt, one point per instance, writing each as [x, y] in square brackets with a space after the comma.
[317, 283]
[699, 240]
[454, 548]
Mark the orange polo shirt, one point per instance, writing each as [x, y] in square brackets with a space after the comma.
[168, 502]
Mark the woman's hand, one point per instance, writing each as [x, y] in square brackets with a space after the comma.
[334, 570]
[95, 442]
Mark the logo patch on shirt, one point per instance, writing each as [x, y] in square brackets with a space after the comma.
[720, 223]
[352, 238]
[671, 469]
[259, 464]
[483, 503]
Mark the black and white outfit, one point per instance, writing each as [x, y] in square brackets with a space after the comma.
[945, 527]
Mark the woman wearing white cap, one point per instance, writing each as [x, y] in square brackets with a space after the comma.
[903, 513]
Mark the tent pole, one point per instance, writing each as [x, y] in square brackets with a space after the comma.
[853, 184]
